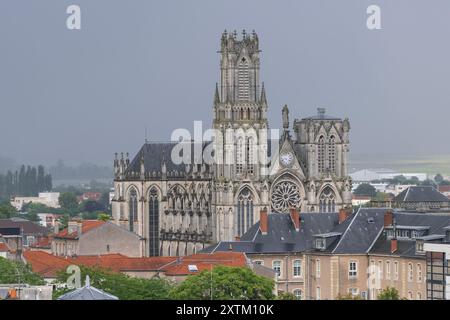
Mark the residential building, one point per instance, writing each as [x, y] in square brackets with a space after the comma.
[422, 199]
[445, 190]
[28, 230]
[327, 255]
[50, 199]
[438, 269]
[94, 237]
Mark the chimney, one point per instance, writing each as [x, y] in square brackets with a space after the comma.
[394, 245]
[263, 223]
[343, 215]
[295, 217]
[237, 238]
[388, 218]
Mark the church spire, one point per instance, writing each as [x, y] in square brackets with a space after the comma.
[263, 99]
[216, 95]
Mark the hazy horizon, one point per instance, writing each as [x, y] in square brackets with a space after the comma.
[151, 67]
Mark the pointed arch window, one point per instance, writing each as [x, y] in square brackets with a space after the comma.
[250, 156]
[243, 80]
[153, 223]
[321, 155]
[240, 155]
[133, 208]
[327, 202]
[244, 218]
[332, 154]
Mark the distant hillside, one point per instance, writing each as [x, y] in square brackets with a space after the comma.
[60, 171]
[430, 164]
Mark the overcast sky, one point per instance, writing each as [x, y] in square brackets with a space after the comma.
[83, 95]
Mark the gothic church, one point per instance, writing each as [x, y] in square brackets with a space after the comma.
[179, 209]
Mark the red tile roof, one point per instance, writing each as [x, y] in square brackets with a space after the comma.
[46, 264]
[4, 247]
[120, 263]
[86, 225]
[205, 261]
[444, 188]
[43, 242]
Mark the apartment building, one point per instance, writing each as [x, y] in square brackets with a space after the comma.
[327, 255]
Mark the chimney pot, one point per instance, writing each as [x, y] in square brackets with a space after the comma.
[388, 218]
[295, 217]
[394, 245]
[343, 214]
[263, 223]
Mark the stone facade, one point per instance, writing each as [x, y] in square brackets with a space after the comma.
[182, 208]
[106, 238]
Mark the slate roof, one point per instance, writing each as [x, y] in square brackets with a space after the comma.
[155, 153]
[281, 235]
[27, 227]
[358, 232]
[421, 194]
[361, 232]
[437, 223]
[87, 293]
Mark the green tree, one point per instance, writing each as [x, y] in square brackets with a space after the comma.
[389, 293]
[18, 272]
[40, 182]
[286, 296]
[348, 296]
[68, 201]
[7, 210]
[365, 189]
[438, 178]
[227, 283]
[103, 216]
[428, 182]
[120, 285]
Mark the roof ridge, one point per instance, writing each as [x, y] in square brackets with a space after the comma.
[346, 230]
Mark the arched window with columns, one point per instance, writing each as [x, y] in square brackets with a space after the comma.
[240, 155]
[244, 213]
[332, 154]
[153, 223]
[327, 200]
[321, 155]
[133, 208]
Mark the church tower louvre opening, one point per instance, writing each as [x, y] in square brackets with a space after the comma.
[182, 208]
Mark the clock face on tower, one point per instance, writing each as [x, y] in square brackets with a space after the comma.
[286, 158]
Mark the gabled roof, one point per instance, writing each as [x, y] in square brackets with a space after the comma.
[120, 263]
[435, 224]
[27, 227]
[87, 293]
[86, 225]
[355, 235]
[155, 153]
[281, 235]
[421, 194]
[46, 264]
[361, 232]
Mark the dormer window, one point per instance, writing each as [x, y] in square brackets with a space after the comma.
[419, 247]
[320, 244]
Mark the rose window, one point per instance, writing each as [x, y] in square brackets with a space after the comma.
[285, 195]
